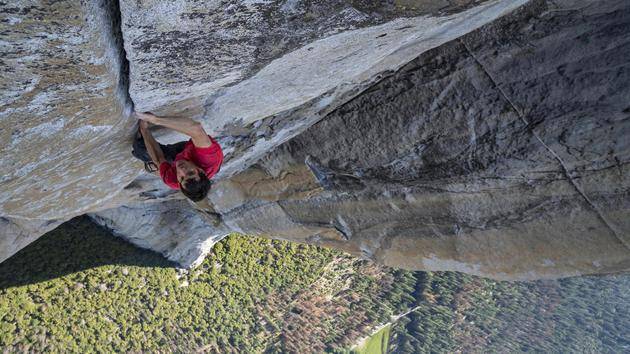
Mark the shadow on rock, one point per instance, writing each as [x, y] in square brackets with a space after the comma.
[76, 245]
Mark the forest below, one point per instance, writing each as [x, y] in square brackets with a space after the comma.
[80, 289]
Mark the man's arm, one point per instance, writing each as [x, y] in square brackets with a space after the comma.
[186, 126]
[153, 147]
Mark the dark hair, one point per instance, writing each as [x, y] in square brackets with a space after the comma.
[196, 190]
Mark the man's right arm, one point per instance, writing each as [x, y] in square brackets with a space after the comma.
[153, 147]
[183, 125]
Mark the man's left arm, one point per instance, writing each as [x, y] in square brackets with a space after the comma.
[153, 147]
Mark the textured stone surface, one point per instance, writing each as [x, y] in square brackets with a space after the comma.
[18, 233]
[65, 101]
[196, 48]
[172, 228]
[63, 122]
[206, 61]
[503, 154]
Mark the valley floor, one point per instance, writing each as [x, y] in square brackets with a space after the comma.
[80, 289]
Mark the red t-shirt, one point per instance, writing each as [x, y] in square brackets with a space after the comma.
[208, 158]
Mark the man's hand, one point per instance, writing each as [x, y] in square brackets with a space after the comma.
[144, 126]
[183, 125]
[146, 117]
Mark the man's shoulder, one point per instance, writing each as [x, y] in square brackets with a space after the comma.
[214, 146]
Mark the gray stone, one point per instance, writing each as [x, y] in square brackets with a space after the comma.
[63, 115]
[483, 155]
[232, 64]
[463, 140]
[173, 228]
[18, 233]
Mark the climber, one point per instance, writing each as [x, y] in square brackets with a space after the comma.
[187, 165]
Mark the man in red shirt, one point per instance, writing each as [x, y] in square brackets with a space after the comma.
[187, 166]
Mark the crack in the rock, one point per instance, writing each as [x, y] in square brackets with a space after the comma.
[565, 169]
[110, 19]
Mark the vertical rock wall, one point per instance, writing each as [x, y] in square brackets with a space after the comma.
[503, 154]
[172, 228]
[257, 74]
[18, 233]
[64, 119]
[64, 123]
[226, 65]
[391, 132]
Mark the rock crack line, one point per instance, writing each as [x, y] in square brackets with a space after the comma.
[565, 169]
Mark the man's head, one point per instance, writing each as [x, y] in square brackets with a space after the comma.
[193, 181]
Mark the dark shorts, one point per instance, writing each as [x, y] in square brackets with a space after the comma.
[170, 151]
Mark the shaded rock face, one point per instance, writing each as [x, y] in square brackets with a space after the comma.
[503, 154]
[208, 66]
[67, 86]
[18, 233]
[441, 142]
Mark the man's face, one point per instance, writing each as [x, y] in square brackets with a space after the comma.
[187, 170]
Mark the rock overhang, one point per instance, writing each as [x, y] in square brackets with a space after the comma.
[253, 108]
[291, 91]
[67, 109]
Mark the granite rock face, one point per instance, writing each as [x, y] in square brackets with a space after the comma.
[198, 48]
[63, 115]
[436, 135]
[172, 228]
[64, 110]
[67, 87]
[18, 233]
[259, 73]
[503, 154]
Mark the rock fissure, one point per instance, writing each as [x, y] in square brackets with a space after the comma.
[423, 158]
[112, 32]
[563, 165]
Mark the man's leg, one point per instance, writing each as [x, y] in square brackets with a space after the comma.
[140, 152]
[139, 149]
